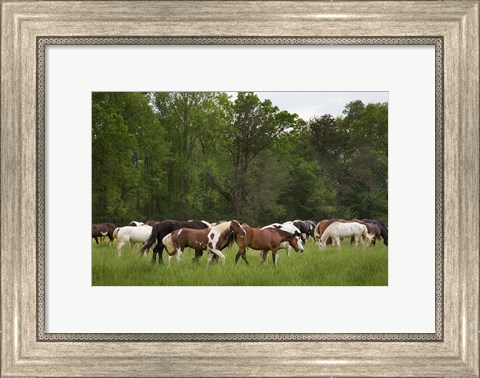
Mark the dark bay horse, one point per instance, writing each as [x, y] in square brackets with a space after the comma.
[382, 227]
[162, 229]
[103, 229]
[212, 239]
[266, 239]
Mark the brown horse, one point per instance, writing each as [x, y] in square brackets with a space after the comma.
[265, 239]
[99, 230]
[212, 239]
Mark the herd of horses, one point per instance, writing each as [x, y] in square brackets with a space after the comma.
[174, 236]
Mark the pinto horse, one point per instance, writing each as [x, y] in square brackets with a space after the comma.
[162, 229]
[99, 230]
[211, 239]
[265, 240]
[305, 227]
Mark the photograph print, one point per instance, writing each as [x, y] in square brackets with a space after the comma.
[239, 189]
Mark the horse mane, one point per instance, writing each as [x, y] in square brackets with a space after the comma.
[222, 227]
[228, 242]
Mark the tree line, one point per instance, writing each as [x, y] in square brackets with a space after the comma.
[207, 155]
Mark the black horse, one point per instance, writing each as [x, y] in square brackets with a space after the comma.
[383, 229]
[162, 229]
[306, 227]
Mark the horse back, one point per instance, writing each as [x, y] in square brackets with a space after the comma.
[322, 226]
[190, 237]
[264, 238]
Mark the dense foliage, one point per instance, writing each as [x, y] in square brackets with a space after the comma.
[207, 156]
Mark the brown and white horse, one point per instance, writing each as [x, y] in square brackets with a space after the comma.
[212, 239]
[266, 239]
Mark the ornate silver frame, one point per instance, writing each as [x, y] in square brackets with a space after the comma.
[454, 348]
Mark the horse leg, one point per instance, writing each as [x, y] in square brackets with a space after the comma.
[220, 254]
[263, 256]
[244, 257]
[337, 242]
[160, 253]
[209, 258]
[198, 254]
[119, 248]
[154, 253]
[241, 252]
[96, 239]
[274, 257]
[179, 254]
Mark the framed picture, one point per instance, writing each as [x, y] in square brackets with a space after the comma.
[67, 68]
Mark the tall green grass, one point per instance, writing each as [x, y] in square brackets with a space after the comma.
[331, 266]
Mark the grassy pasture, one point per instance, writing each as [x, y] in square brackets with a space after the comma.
[348, 266]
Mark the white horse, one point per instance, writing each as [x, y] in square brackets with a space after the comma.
[289, 227]
[131, 233]
[338, 230]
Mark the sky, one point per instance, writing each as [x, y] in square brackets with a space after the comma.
[309, 104]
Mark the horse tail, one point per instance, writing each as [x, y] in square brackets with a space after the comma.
[151, 239]
[168, 243]
[115, 233]
[316, 233]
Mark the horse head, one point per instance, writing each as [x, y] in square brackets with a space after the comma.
[237, 228]
[369, 239]
[297, 242]
[300, 235]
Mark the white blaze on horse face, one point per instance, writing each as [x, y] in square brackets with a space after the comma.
[300, 244]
